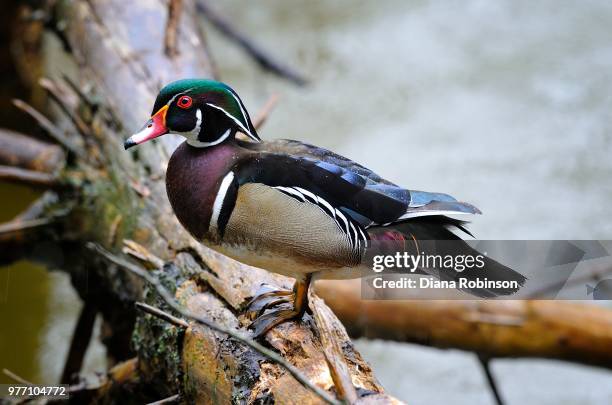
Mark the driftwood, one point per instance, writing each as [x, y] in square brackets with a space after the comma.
[551, 329]
[115, 200]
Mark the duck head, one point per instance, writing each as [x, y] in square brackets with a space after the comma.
[205, 112]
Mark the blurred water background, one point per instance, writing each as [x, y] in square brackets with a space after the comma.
[504, 104]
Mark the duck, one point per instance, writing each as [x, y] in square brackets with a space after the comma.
[286, 206]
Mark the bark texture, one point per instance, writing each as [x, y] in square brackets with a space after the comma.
[580, 333]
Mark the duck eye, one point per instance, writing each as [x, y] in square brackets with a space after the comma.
[184, 102]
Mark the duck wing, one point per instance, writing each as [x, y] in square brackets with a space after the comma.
[357, 191]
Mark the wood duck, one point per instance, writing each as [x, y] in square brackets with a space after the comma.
[285, 206]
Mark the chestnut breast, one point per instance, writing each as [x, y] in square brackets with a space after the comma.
[193, 179]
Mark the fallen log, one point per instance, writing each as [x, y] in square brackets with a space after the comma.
[579, 333]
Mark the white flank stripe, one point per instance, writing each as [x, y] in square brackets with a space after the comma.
[346, 226]
[363, 235]
[355, 242]
[307, 193]
[353, 233]
[328, 205]
[291, 191]
[227, 180]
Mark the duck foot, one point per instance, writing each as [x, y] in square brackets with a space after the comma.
[267, 296]
[270, 298]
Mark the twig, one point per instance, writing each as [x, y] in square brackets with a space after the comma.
[17, 225]
[175, 9]
[77, 90]
[170, 400]
[79, 343]
[28, 177]
[15, 377]
[265, 111]
[51, 130]
[485, 363]
[56, 94]
[265, 61]
[141, 253]
[162, 315]
[169, 299]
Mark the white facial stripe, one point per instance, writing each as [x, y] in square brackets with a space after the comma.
[198, 144]
[198, 124]
[192, 136]
[218, 204]
[177, 95]
[244, 115]
[246, 131]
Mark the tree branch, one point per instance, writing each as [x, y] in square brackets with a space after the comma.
[485, 363]
[29, 177]
[548, 329]
[264, 60]
[79, 342]
[51, 130]
[265, 111]
[28, 153]
[162, 315]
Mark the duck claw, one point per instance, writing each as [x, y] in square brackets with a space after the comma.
[292, 304]
[266, 297]
[264, 323]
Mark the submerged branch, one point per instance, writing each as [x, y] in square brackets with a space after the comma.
[485, 363]
[18, 226]
[16, 377]
[79, 342]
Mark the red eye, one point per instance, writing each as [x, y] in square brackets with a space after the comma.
[184, 102]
